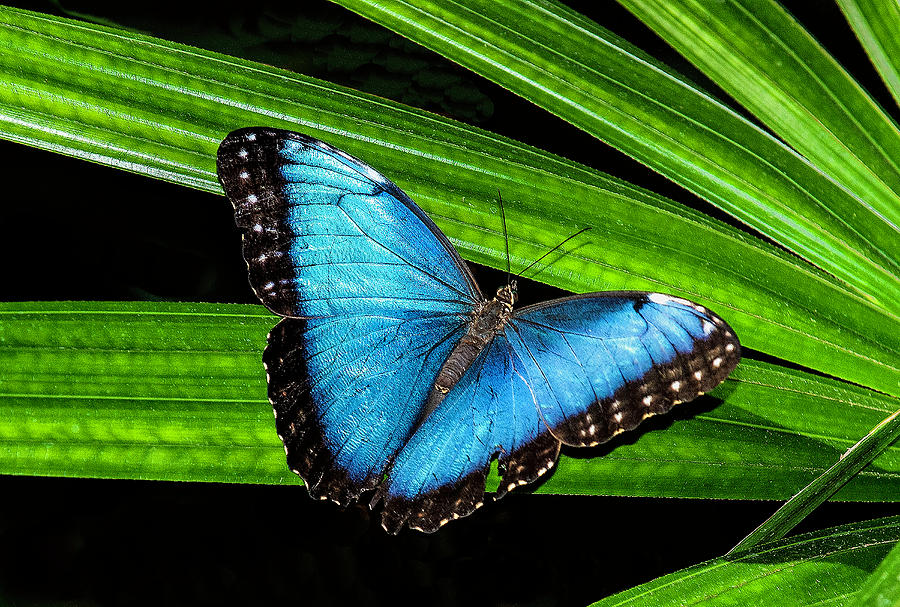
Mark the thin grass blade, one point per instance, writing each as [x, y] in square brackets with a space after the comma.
[810, 497]
[876, 23]
[822, 568]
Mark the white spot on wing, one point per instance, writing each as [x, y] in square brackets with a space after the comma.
[729, 348]
[676, 385]
[698, 375]
[242, 153]
[252, 198]
[717, 363]
[708, 327]
[374, 175]
[251, 136]
[243, 174]
[648, 399]
[669, 299]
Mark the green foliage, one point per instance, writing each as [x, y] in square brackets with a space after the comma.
[822, 568]
[588, 76]
[176, 391]
[882, 589]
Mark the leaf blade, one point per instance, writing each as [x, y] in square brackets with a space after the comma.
[883, 586]
[568, 65]
[824, 486]
[809, 569]
[764, 59]
[875, 23]
[168, 106]
[177, 392]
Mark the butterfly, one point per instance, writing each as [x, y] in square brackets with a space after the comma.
[390, 371]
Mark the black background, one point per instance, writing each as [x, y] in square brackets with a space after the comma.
[74, 230]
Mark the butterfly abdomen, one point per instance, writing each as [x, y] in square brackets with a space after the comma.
[487, 321]
[460, 359]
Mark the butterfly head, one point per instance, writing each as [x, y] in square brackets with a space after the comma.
[508, 294]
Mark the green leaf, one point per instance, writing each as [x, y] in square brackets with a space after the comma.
[811, 497]
[763, 58]
[882, 589]
[177, 392]
[820, 568]
[876, 23]
[136, 390]
[570, 66]
[160, 109]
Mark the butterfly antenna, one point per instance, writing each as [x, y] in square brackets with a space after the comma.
[538, 260]
[505, 234]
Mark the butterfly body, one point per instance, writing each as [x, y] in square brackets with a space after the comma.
[488, 320]
[390, 371]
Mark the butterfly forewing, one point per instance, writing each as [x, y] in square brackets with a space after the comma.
[601, 363]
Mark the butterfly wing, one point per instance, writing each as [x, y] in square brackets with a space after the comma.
[577, 370]
[439, 475]
[601, 363]
[373, 294]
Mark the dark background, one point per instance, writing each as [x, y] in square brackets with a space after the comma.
[74, 230]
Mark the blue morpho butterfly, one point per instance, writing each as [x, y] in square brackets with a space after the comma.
[390, 371]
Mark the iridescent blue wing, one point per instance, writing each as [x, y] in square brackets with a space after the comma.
[327, 235]
[577, 370]
[601, 363]
[375, 297]
[439, 475]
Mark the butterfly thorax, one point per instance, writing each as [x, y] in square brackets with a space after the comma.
[490, 317]
[488, 320]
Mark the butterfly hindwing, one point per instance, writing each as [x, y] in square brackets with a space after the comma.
[375, 297]
[346, 392]
[439, 475]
